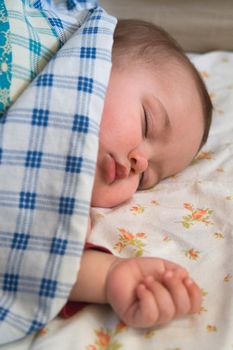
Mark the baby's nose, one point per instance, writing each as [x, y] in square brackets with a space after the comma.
[138, 164]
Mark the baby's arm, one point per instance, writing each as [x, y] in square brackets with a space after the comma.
[91, 283]
[144, 292]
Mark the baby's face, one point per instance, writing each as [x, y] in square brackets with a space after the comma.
[151, 128]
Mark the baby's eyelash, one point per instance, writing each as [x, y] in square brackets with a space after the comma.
[145, 135]
[146, 122]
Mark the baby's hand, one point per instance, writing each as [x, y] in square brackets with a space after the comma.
[147, 292]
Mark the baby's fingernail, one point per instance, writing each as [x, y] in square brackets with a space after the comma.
[189, 281]
[168, 274]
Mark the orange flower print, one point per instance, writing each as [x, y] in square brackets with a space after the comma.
[228, 277]
[205, 156]
[141, 235]
[188, 206]
[149, 334]
[154, 202]
[106, 338]
[205, 74]
[199, 214]
[126, 235]
[202, 310]
[192, 254]
[121, 327]
[211, 328]
[137, 209]
[119, 246]
[103, 338]
[42, 331]
[166, 238]
[196, 215]
[218, 235]
[132, 240]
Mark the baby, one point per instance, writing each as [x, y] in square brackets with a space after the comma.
[156, 116]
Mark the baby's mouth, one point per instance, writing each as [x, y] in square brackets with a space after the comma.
[109, 169]
[112, 170]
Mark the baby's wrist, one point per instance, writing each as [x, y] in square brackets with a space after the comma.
[92, 277]
[115, 261]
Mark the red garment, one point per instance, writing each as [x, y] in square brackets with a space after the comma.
[72, 307]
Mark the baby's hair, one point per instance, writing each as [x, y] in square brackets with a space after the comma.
[141, 41]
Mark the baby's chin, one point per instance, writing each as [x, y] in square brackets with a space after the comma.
[106, 199]
[114, 194]
[105, 203]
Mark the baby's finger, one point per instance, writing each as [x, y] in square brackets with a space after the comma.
[195, 295]
[148, 312]
[178, 292]
[163, 299]
[170, 265]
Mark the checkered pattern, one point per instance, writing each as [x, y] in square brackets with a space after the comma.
[48, 151]
[33, 42]
[37, 32]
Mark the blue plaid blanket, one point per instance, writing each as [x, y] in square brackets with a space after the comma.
[55, 65]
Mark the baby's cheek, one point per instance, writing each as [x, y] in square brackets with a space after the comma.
[108, 196]
[121, 191]
[126, 189]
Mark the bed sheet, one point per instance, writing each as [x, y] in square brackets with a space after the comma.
[186, 218]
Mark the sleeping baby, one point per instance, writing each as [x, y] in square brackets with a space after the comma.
[156, 117]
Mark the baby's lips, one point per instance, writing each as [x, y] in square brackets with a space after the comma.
[112, 170]
[109, 169]
[121, 171]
